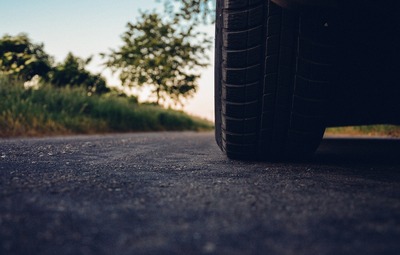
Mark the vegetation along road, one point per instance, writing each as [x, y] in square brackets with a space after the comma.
[175, 193]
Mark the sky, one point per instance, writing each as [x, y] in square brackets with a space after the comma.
[87, 28]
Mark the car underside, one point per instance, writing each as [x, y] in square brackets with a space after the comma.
[296, 4]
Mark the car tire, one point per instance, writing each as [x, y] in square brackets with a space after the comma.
[273, 72]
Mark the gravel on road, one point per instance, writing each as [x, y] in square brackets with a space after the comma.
[176, 193]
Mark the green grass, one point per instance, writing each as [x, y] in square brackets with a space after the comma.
[54, 111]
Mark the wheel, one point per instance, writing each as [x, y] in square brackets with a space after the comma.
[273, 71]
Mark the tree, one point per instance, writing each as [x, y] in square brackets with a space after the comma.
[21, 58]
[191, 10]
[161, 55]
[73, 72]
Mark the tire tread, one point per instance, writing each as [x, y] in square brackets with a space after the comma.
[272, 81]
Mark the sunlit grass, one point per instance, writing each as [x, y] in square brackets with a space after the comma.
[51, 111]
[371, 130]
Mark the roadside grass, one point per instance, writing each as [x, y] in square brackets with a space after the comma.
[371, 130]
[58, 111]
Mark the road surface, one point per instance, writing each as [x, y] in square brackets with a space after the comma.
[176, 193]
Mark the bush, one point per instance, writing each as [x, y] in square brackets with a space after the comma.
[49, 111]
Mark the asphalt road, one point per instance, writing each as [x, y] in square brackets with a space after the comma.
[176, 193]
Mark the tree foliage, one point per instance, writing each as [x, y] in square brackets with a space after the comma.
[21, 58]
[72, 72]
[191, 10]
[159, 54]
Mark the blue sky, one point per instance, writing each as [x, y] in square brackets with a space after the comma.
[85, 28]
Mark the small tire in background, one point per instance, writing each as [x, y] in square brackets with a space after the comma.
[273, 70]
